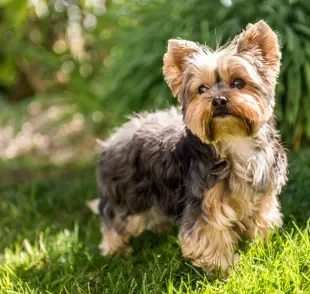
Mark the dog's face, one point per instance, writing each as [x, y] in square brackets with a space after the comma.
[229, 92]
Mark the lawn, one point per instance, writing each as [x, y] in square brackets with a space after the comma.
[48, 244]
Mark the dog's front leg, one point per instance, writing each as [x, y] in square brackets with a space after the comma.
[267, 218]
[209, 237]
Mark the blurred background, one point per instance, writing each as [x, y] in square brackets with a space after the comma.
[72, 70]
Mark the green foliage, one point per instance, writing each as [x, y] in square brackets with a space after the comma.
[113, 59]
[51, 47]
[134, 79]
[133, 75]
[49, 238]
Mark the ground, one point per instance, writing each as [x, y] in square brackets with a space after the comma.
[48, 244]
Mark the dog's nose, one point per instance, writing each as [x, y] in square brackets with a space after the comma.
[219, 102]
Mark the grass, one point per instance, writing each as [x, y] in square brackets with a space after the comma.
[48, 244]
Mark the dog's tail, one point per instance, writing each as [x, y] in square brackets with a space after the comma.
[101, 143]
[93, 205]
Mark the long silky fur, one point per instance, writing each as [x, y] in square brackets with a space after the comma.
[216, 178]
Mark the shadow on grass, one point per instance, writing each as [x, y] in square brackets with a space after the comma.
[154, 261]
[52, 212]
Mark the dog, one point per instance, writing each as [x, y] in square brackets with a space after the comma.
[214, 167]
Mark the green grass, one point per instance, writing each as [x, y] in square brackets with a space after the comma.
[48, 244]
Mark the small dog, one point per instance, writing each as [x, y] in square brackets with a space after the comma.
[215, 168]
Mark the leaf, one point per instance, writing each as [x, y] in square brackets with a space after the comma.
[290, 39]
[293, 81]
[306, 101]
[302, 29]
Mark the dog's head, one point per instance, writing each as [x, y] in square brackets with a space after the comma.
[227, 92]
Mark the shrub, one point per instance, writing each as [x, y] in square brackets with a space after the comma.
[133, 76]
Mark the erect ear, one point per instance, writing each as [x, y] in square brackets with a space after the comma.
[261, 40]
[175, 62]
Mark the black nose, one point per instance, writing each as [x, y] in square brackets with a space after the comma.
[219, 102]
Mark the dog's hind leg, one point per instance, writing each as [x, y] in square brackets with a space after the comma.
[157, 222]
[117, 227]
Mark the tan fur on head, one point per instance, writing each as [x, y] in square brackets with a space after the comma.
[260, 39]
[253, 56]
[174, 62]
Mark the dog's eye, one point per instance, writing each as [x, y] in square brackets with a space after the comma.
[238, 83]
[203, 88]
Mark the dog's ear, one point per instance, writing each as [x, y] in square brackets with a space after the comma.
[175, 62]
[260, 40]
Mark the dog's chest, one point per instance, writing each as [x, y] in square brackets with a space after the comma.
[249, 165]
[248, 176]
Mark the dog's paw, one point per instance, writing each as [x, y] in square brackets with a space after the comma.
[221, 264]
[106, 250]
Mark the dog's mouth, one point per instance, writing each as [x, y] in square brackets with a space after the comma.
[222, 113]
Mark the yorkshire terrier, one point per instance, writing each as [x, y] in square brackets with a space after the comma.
[214, 168]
